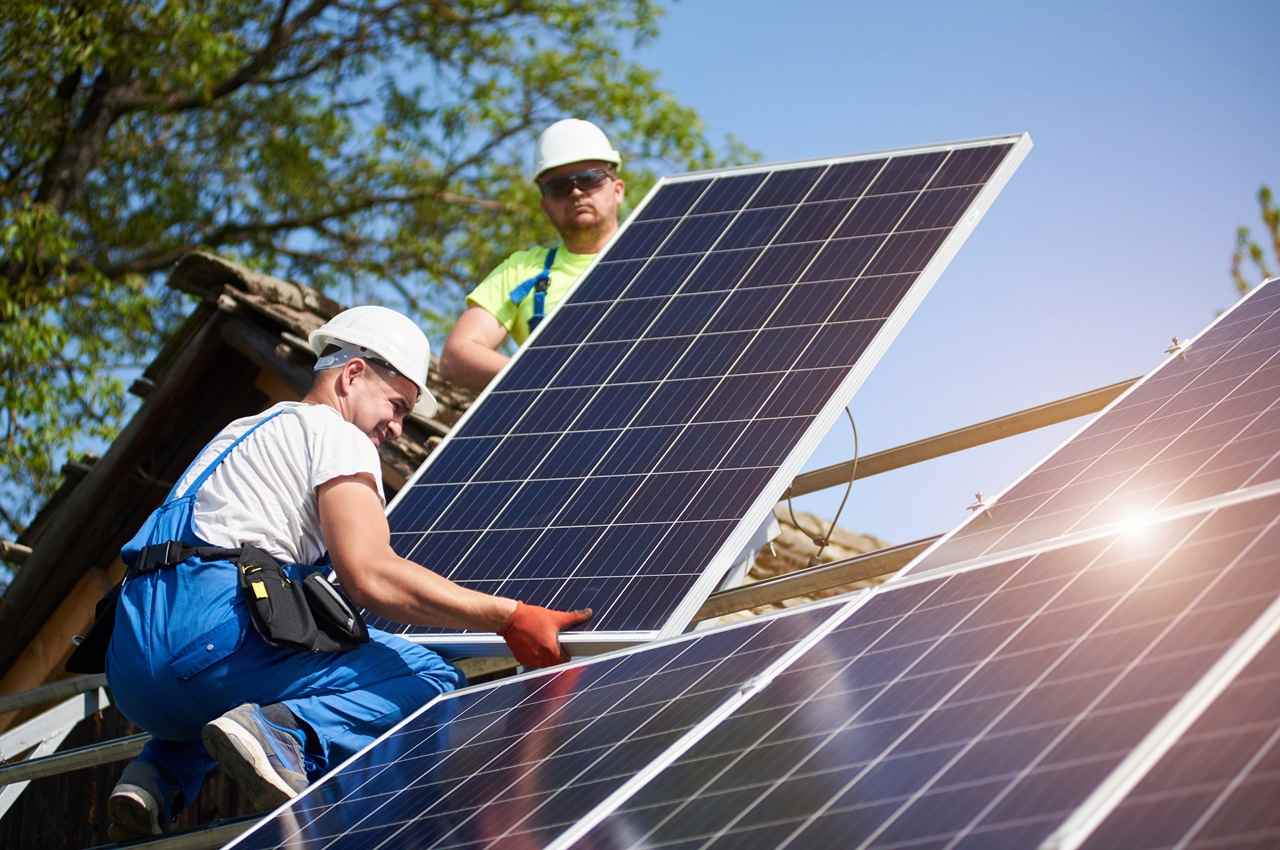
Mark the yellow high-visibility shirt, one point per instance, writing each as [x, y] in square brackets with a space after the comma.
[494, 292]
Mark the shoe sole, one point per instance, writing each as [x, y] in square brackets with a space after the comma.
[243, 757]
[133, 813]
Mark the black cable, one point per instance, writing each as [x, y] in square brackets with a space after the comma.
[823, 541]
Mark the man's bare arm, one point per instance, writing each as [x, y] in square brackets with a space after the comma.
[470, 357]
[359, 542]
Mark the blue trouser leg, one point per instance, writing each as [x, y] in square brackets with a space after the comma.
[182, 767]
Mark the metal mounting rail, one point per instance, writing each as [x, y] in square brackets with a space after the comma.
[52, 692]
[875, 564]
[117, 749]
[960, 439]
[205, 838]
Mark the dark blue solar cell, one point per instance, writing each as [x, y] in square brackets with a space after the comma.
[701, 446]
[420, 507]
[554, 410]
[787, 186]
[663, 497]
[627, 319]
[501, 411]
[476, 506]
[738, 397]
[556, 551]
[846, 180]
[640, 239]
[909, 173]
[754, 227]
[441, 551]
[839, 345]
[728, 193]
[597, 500]
[906, 252]
[574, 455]
[804, 393]
[536, 368]
[780, 264]
[697, 233]
[615, 405]
[721, 270]
[877, 214]
[775, 349]
[970, 165]
[606, 281]
[674, 402]
[592, 363]
[765, 442]
[621, 545]
[939, 208]
[573, 323]
[515, 458]
[495, 551]
[872, 297]
[727, 494]
[663, 276]
[843, 258]
[686, 314]
[747, 309]
[815, 222]
[536, 504]
[651, 360]
[809, 303]
[457, 460]
[673, 199]
[637, 450]
[711, 354]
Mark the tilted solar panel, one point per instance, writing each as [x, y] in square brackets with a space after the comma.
[513, 764]
[1218, 786]
[1204, 424]
[974, 710]
[629, 451]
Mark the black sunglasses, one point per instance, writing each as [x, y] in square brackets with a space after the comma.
[585, 181]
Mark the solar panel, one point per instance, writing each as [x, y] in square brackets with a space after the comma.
[974, 710]
[514, 763]
[630, 449]
[1204, 424]
[1216, 787]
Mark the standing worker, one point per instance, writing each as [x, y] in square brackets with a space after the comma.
[225, 645]
[576, 172]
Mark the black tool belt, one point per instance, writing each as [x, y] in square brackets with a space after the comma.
[312, 614]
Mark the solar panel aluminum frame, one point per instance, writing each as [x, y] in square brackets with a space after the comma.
[840, 610]
[722, 559]
[912, 568]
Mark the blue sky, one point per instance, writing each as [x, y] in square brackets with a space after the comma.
[1154, 125]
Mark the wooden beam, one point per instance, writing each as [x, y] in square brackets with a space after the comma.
[960, 439]
[877, 564]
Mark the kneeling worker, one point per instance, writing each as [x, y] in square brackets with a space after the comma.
[189, 659]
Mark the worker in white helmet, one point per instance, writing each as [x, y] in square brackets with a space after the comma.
[214, 653]
[576, 172]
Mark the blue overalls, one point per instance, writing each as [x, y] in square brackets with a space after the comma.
[183, 651]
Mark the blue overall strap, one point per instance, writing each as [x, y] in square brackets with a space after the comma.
[208, 470]
[538, 285]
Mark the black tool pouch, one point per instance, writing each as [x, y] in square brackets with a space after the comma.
[297, 614]
[90, 654]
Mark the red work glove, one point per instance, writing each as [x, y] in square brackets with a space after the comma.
[533, 633]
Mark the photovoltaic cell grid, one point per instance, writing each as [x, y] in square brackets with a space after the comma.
[512, 765]
[977, 710]
[1205, 423]
[1218, 786]
[645, 421]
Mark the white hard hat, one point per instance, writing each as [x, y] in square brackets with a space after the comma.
[386, 335]
[573, 140]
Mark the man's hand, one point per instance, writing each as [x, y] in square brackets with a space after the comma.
[533, 633]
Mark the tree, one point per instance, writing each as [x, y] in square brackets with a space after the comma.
[376, 149]
[1248, 249]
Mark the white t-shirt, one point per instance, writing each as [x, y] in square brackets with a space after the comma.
[264, 492]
